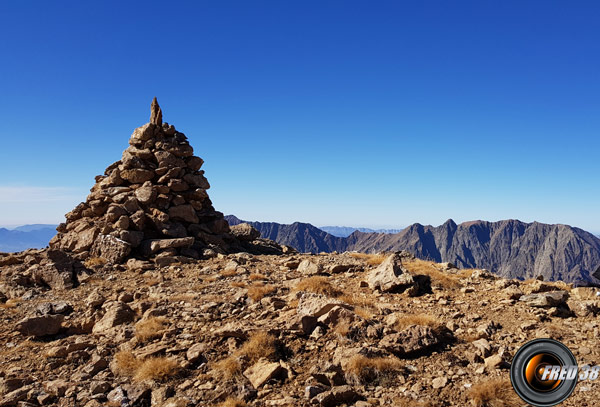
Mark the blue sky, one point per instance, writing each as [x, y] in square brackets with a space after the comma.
[358, 113]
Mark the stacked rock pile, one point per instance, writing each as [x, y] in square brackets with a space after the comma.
[152, 203]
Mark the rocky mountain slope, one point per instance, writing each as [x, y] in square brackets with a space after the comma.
[293, 330]
[510, 248]
[26, 237]
[301, 236]
[147, 297]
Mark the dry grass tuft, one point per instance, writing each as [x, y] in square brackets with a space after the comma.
[365, 313]
[403, 401]
[11, 303]
[93, 262]
[150, 328]
[370, 259]
[157, 369]
[228, 273]
[365, 307]
[238, 284]
[421, 319]
[260, 345]
[494, 393]
[233, 402]
[257, 277]
[342, 328]
[258, 290]
[379, 371]
[126, 363]
[318, 285]
[357, 300]
[428, 268]
[229, 368]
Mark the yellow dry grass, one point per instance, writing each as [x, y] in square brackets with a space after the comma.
[238, 284]
[228, 273]
[11, 303]
[229, 368]
[428, 268]
[94, 262]
[494, 393]
[126, 363]
[342, 328]
[155, 368]
[366, 370]
[258, 290]
[257, 277]
[150, 328]
[370, 259]
[365, 313]
[416, 319]
[403, 401]
[319, 285]
[233, 402]
[260, 345]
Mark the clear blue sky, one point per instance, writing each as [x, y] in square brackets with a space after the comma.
[352, 113]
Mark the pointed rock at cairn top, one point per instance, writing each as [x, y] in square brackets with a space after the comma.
[155, 113]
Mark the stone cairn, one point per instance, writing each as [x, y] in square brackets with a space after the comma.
[151, 204]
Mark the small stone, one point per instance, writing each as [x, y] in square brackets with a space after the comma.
[119, 313]
[263, 371]
[155, 113]
[307, 267]
[439, 382]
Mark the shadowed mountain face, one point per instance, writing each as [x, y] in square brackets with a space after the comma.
[510, 248]
[303, 237]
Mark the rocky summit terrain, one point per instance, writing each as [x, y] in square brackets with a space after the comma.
[509, 248]
[147, 297]
[280, 330]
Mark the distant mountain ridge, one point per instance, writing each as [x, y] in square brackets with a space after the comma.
[345, 231]
[510, 248]
[26, 237]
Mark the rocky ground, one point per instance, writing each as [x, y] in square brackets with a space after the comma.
[291, 330]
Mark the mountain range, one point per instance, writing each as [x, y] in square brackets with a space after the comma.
[26, 237]
[509, 248]
[345, 231]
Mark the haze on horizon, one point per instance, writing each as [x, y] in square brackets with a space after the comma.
[333, 113]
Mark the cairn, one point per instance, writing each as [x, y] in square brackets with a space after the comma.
[152, 203]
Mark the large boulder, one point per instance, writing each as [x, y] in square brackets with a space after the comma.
[117, 314]
[545, 299]
[390, 276]
[245, 232]
[40, 325]
[316, 305]
[111, 249]
[414, 340]
[55, 270]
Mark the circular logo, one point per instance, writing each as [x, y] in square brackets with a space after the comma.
[544, 372]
